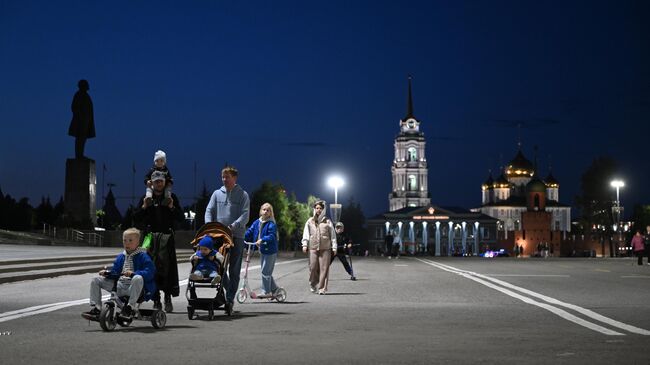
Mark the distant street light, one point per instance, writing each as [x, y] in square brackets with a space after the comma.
[617, 209]
[335, 182]
[617, 184]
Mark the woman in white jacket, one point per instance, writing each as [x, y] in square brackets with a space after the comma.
[319, 238]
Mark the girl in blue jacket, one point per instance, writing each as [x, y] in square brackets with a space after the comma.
[264, 233]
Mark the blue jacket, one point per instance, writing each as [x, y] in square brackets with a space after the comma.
[269, 244]
[205, 263]
[143, 266]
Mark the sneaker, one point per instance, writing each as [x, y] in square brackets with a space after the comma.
[321, 291]
[353, 278]
[127, 311]
[216, 280]
[157, 305]
[196, 277]
[312, 288]
[228, 307]
[390, 257]
[92, 315]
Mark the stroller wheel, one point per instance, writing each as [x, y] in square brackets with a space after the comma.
[280, 295]
[158, 319]
[107, 318]
[242, 295]
[190, 312]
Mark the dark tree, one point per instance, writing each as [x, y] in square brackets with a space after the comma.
[274, 194]
[355, 225]
[201, 205]
[596, 201]
[45, 212]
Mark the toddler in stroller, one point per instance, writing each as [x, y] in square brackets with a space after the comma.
[210, 262]
[206, 262]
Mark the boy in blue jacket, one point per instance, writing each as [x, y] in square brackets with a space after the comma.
[206, 261]
[134, 272]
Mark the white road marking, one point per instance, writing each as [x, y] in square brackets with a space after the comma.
[566, 315]
[526, 275]
[45, 308]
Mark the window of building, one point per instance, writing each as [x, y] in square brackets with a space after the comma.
[412, 154]
[413, 183]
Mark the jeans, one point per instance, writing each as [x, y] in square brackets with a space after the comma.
[268, 264]
[231, 281]
[132, 290]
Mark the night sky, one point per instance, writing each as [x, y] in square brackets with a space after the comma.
[294, 91]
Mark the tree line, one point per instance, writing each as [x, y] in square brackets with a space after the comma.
[290, 214]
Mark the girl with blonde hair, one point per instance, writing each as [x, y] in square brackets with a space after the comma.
[264, 233]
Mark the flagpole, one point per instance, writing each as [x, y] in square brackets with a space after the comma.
[104, 182]
[133, 186]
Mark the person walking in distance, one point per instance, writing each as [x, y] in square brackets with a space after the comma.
[319, 238]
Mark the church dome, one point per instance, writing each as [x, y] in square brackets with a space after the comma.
[551, 181]
[488, 184]
[501, 182]
[536, 185]
[520, 167]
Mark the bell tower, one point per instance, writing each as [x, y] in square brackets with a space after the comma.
[409, 169]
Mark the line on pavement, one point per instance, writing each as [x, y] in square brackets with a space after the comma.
[491, 282]
[531, 275]
[46, 308]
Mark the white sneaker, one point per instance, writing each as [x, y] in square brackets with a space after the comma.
[321, 291]
[312, 289]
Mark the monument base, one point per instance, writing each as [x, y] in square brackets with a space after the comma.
[80, 191]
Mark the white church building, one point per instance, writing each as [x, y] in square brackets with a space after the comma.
[412, 222]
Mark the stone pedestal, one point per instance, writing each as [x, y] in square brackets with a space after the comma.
[80, 190]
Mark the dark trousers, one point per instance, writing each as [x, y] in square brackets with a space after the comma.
[639, 256]
[344, 261]
[231, 282]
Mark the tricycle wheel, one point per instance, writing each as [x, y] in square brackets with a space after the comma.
[107, 318]
[158, 319]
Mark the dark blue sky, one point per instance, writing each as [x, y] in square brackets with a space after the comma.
[292, 91]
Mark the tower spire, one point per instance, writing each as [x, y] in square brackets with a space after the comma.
[409, 106]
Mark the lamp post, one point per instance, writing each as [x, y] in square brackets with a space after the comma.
[616, 209]
[335, 182]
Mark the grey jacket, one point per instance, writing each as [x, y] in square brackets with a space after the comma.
[230, 209]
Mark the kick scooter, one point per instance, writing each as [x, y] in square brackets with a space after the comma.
[245, 290]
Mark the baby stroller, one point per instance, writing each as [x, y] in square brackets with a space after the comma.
[222, 237]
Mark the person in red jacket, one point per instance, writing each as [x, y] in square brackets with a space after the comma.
[638, 246]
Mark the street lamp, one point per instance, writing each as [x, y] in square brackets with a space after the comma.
[617, 183]
[335, 182]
